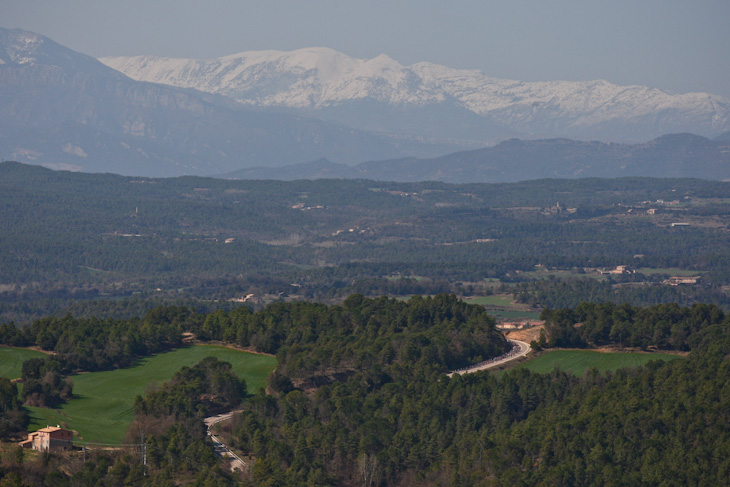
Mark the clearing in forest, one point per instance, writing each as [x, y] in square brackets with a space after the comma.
[102, 407]
[11, 360]
[504, 308]
[577, 361]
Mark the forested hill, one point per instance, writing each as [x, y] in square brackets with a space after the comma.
[664, 424]
[402, 426]
[379, 409]
[309, 339]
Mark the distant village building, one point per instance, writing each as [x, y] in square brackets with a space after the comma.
[554, 210]
[49, 438]
[677, 280]
[620, 269]
[518, 325]
[243, 299]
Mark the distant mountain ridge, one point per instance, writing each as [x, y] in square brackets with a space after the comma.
[671, 156]
[435, 101]
[67, 110]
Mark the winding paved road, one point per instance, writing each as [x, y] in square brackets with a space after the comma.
[522, 350]
[220, 449]
[237, 464]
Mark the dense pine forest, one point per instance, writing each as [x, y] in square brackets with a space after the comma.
[361, 397]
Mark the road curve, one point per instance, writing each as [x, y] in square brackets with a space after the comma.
[521, 350]
[221, 449]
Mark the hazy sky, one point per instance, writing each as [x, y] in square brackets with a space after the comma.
[679, 45]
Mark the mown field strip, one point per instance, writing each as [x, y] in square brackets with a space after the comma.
[577, 361]
[11, 360]
[503, 307]
[493, 300]
[103, 402]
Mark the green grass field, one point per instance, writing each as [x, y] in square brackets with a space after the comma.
[514, 315]
[543, 273]
[102, 407]
[577, 361]
[493, 300]
[647, 271]
[11, 360]
[503, 307]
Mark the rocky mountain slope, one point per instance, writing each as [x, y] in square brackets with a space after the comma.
[433, 100]
[67, 110]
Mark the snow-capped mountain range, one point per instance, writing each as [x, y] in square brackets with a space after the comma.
[64, 109]
[432, 100]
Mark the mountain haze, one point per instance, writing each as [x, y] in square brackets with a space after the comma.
[675, 156]
[67, 110]
[64, 109]
[435, 101]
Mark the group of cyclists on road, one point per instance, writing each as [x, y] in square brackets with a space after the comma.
[513, 351]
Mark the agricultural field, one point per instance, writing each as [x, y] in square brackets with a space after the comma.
[669, 271]
[577, 361]
[103, 402]
[503, 307]
[514, 315]
[11, 360]
[493, 300]
[544, 273]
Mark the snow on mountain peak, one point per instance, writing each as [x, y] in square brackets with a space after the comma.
[318, 78]
[309, 77]
[21, 47]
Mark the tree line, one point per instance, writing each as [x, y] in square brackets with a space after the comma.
[664, 326]
[382, 411]
[387, 425]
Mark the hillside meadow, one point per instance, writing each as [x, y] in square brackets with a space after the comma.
[577, 361]
[504, 308]
[102, 407]
[11, 360]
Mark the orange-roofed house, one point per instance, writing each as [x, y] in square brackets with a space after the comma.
[50, 438]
